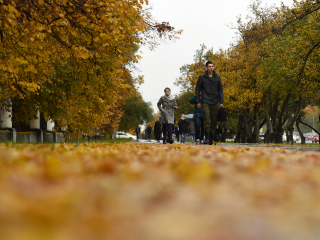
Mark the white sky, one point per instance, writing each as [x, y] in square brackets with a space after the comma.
[202, 21]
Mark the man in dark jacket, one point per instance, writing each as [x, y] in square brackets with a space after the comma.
[138, 133]
[210, 86]
[157, 130]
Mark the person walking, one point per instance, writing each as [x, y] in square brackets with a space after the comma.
[177, 132]
[192, 130]
[198, 116]
[183, 126]
[138, 133]
[210, 86]
[167, 104]
[149, 131]
[157, 130]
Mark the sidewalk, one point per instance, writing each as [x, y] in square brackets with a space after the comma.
[297, 147]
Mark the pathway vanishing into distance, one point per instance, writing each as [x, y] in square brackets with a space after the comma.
[297, 147]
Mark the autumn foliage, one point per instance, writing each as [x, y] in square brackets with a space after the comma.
[271, 70]
[71, 59]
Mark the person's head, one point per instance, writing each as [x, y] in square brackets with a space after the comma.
[149, 125]
[158, 119]
[183, 116]
[209, 67]
[167, 91]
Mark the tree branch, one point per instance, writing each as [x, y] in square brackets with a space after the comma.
[251, 118]
[306, 59]
[285, 103]
[299, 120]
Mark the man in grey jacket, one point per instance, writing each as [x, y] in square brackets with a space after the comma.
[210, 86]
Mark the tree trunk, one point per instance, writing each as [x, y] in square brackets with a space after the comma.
[289, 127]
[303, 139]
[267, 135]
[246, 129]
[277, 135]
[257, 121]
[239, 133]
[292, 120]
[290, 135]
[284, 105]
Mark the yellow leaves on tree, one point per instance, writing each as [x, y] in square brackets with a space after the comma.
[84, 48]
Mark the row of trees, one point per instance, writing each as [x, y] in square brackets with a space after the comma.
[72, 60]
[270, 72]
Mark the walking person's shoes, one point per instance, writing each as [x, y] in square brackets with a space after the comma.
[198, 142]
[211, 139]
[201, 142]
[206, 142]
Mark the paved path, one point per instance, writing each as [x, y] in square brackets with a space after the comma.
[297, 147]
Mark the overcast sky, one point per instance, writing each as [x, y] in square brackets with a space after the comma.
[202, 21]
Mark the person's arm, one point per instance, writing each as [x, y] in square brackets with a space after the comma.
[221, 92]
[175, 104]
[198, 89]
[192, 100]
[159, 104]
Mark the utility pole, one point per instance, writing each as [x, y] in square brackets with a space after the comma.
[313, 116]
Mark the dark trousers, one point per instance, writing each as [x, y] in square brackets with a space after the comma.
[167, 128]
[199, 125]
[157, 135]
[177, 136]
[210, 117]
[149, 136]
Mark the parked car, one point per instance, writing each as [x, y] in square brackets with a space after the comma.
[315, 139]
[310, 136]
[261, 137]
[125, 135]
[296, 137]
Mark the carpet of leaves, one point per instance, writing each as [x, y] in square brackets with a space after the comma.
[157, 192]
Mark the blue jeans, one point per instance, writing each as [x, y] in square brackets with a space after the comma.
[199, 128]
[183, 137]
[138, 135]
[192, 137]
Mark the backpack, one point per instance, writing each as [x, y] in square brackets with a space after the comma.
[222, 114]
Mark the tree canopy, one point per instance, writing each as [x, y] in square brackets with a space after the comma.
[71, 59]
[271, 71]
